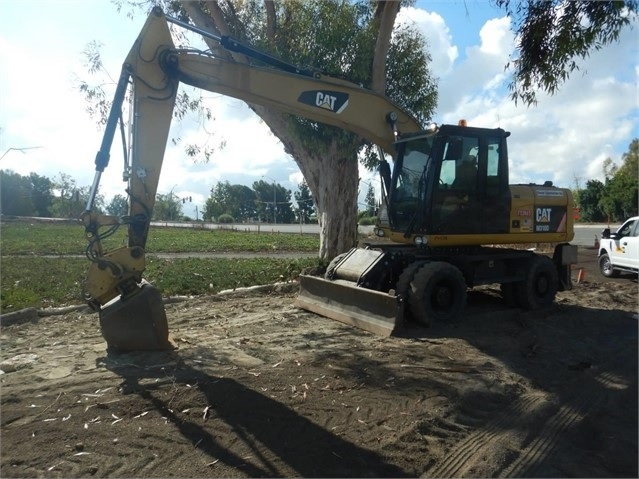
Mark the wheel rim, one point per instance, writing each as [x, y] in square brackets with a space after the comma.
[607, 267]
[443, 297]
[542, 285]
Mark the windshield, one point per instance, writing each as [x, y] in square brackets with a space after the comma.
[408, 184]
[415, 157]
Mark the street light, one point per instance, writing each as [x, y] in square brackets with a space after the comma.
[274, 199]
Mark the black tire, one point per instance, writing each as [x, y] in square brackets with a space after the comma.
[330, 270]
[403, 286]
[437, 293]
[540, 285]
[605, 267]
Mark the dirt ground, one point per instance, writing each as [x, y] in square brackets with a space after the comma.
[261, 388]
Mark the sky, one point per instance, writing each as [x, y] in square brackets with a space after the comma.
[44, 126]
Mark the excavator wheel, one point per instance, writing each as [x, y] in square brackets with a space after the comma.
[403, 287]
[539, 288]
[437, 292]
[137, 323]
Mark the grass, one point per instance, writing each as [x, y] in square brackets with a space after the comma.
[24, 238]
[27, 279]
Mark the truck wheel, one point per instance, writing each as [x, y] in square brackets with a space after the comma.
[403, 286]
[605, 267]
[437, 292]
[539, 287]
[330, 270]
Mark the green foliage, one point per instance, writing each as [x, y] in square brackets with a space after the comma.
[305, 205]
[25, 195]
[553, 35]
[617, 198]
[118, 206]
[15, 191]
[29, 279]
[167, 207]
[269, 194]
[588, 200]
[70, 199]
[52, 282]
[237, 201]
[367, 220]
[225, 219]
[371, 205]
[40, 282]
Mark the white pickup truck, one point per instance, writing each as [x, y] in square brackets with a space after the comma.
[619, 251]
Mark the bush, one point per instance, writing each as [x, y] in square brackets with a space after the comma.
[367, 220]
[225, 218]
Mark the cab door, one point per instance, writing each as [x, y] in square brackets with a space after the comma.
[456, 202]
[471, 193]
[494, 191]
[627, 245]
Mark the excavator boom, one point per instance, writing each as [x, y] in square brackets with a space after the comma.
[129, 315]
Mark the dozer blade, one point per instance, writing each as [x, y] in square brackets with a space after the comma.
[373, 311]
[137, 323]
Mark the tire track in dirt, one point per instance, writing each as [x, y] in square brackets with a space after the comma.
[542, 448]
[510, 428]
[463, 457]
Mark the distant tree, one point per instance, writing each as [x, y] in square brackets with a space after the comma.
[621, 194]
[273, 202]
[69, 200]
[41, 194]
[15, 194]
[237, 201]
[304, 199]
[589, 200]
[370, 201]
[168, 207]
[118, 206]
[552, 35]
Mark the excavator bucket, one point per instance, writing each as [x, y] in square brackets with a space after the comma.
[373, 311]
[137, 323]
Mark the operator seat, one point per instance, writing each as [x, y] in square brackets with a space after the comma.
[466, 174]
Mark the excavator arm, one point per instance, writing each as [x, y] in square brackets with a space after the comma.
[131, 314]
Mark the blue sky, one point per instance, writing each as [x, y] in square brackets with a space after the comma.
[563, 138]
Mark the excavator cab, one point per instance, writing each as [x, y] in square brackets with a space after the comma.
[453, 180]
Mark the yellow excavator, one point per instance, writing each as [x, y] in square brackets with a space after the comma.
[445, 200]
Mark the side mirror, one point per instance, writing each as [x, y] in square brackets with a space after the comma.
[605, 234]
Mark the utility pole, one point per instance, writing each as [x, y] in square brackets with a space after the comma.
[274, 199]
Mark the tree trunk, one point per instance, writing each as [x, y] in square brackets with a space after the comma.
[332, 175]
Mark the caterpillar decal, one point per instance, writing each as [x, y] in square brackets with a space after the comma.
[334, 101]
[550, 219]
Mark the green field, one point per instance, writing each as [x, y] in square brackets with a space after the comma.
[28, 278]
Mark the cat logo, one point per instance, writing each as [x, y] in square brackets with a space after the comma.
[334, 101]
[542, 215]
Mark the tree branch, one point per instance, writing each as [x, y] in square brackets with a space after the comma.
[385, 15]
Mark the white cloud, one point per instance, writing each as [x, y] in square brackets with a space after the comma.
[440, 46]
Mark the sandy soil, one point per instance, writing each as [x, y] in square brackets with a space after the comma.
[261, 388]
